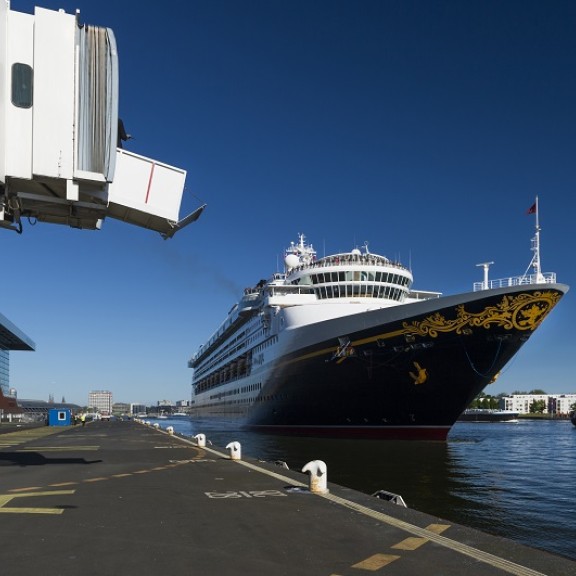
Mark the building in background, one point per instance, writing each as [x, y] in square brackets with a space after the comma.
[555, 403]
[11, 338]
[100, 401]
[120, 408]
[138, 409]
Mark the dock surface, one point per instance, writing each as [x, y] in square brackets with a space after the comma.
[122, 498]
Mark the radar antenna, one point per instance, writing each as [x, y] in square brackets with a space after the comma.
[486, 266]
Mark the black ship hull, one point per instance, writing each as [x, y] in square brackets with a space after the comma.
[409, 377]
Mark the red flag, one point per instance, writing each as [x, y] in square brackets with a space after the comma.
[532, 209]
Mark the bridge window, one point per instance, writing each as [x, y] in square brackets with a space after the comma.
[21, 85]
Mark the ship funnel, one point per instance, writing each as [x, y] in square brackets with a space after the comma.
[201, 439]
[235, 450]
[318, 476]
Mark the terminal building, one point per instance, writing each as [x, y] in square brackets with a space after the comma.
[11, 338]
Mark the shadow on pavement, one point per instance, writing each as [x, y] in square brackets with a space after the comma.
[36, 459]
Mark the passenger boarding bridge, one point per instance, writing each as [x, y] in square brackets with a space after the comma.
[59, 132]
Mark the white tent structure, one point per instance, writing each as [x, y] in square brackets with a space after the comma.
[59, 132]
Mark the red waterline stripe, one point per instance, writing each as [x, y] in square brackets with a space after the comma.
[150, 182]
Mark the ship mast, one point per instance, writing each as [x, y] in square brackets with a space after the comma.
[535, 263]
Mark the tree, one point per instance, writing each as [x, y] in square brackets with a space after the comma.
[537, 407]
[537, 392]
[485, 402]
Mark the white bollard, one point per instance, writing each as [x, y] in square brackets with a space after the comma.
[201, 440]
[170, 430]
[318, 476]
[156, 425]
[235, 450]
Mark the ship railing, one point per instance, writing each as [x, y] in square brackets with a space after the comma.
[345, 260]
[526, 279]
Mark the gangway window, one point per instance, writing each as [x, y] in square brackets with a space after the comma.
[22, 85]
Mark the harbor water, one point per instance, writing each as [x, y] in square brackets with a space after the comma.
[508, 479]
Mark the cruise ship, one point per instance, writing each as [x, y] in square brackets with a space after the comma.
[342, 346]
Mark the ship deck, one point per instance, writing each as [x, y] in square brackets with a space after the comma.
[126, 498]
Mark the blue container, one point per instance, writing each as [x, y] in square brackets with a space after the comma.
[59, 417]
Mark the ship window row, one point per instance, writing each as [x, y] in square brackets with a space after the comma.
[220, 358]
[252, 400]
[217, 350]
[251, 388]
[238, 368]
[216, 378]
[265, 344]
[360, 291]
[225, 352]
[211, 363]
[358, 276]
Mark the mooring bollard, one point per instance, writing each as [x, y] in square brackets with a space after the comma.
[156, 425]
[318, 473]
[170, 430]
[235, 450]
[201, 439]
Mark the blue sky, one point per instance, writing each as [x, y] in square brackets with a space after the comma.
[424, 127]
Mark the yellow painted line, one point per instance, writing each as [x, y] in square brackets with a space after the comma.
[376, 562]
[100, 479]
[141, 471]
[411, 543]
[31, 510]
[121, 475]
[437, 528]
[414, 543]
[6, 498]
[64, 484]
[25, 489]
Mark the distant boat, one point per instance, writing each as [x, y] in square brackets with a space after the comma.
[179, 415]
[486, 415]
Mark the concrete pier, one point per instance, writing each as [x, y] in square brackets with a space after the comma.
[124, 498]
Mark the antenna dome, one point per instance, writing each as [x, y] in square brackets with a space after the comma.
[292, 260]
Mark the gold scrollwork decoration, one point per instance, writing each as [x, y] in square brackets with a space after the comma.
[522, 312]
